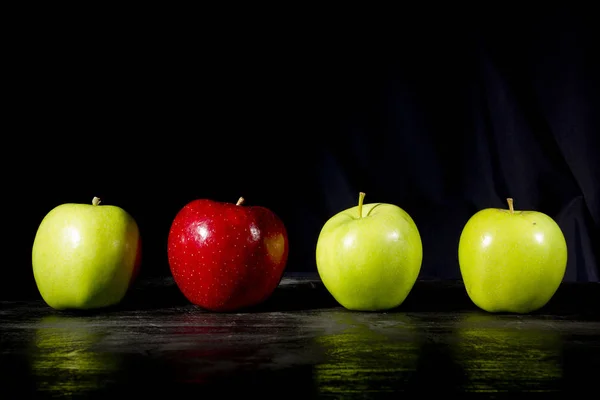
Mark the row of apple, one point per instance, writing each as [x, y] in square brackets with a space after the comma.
[225, 256]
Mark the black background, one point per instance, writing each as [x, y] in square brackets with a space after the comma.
[442, 113]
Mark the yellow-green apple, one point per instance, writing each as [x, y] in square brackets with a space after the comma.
[511, 261]
[85, 256]
[369, 256]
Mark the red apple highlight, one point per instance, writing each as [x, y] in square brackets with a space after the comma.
[226, 256]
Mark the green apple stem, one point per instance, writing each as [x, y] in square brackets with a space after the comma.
[511, 208]
[240, 201]
[361, 198]
[95, 201]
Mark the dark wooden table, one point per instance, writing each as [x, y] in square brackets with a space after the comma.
[300, 344]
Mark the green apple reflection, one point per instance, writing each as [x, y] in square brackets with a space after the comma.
[369, 356]
[64, 361]
[500, 353]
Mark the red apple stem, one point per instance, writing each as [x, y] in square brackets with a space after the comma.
[240, 201]
[361, 199]
[511, 208]
[96, 201]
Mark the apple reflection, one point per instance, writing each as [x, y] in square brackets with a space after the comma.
[64, 360]
[256, 353]
[368, 356]
[207, 346]
[499, 353]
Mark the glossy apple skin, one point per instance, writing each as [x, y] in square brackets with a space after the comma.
[511, 262]
[84, 255]
[369, 263]
[226, 257]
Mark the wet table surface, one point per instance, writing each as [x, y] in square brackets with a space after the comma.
[299, 344]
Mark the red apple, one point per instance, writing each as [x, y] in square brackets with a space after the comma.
[138, 262]
[226, 256]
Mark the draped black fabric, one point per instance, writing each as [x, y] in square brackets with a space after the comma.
[461, 121]
[441, 116]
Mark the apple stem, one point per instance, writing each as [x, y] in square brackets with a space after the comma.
[240, 201]
[361, 198]
[95, 201]
[510, 205]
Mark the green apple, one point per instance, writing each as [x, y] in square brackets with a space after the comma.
[84, 256]
[369, 256]
[511, 261]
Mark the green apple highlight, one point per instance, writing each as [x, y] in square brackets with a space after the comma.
[511, 261]
[84, 255]
[369, 256]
